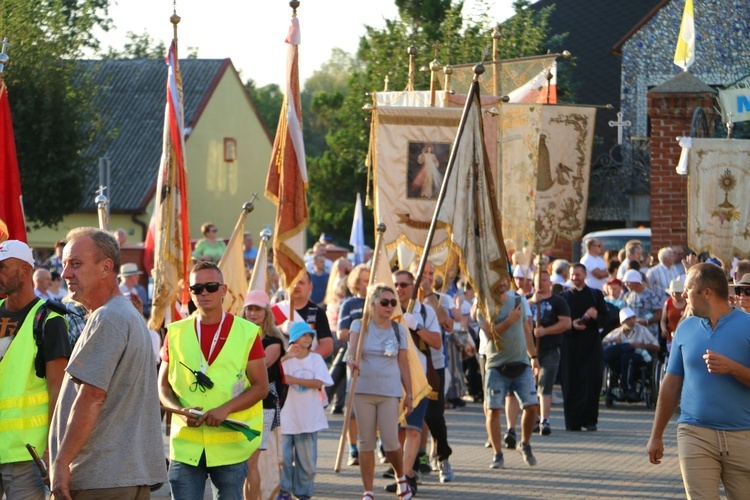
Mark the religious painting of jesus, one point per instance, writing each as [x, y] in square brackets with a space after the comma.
[427, 163]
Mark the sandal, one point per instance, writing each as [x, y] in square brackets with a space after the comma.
[407, 494]
[368, 495]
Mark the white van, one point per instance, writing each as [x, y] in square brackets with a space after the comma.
[615, 239]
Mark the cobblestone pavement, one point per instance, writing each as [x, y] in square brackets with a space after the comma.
[609, 463]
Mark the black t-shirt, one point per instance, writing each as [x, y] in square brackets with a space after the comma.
[553, 307]
[274, 372]
[317, 319]
[56, 343]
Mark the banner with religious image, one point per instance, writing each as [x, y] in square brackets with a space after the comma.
[563, 172]
[412, 149]
[718, 213]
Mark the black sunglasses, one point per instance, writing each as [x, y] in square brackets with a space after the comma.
[212, 287]
[403, 285]
[742, 291]
[388, 302]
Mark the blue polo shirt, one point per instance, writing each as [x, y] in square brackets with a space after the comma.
[710, 400]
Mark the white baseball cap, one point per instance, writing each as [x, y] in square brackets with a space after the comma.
[521, 272]
[14, 249]
[626, 313]
[633, 276]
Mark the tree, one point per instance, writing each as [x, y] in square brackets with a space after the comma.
[138, 47]
[268, 102]
[340, 172]
[143, 46]
[53, 114]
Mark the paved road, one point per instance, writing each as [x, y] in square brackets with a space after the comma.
[609, 463]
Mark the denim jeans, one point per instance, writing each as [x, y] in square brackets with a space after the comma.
[300, 452]
[188, 482]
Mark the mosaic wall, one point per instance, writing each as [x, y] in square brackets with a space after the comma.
[722, 53]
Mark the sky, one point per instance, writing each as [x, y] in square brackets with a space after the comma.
[252, 32]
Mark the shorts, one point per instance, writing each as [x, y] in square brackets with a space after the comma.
[549, 361]
[268, 415]
[416, 419]
[497, 386]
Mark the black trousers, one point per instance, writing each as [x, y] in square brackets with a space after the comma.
[435, 419]
[582, 364]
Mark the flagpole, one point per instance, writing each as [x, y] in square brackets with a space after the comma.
[265, 235]
[358, 355]
[478, 70]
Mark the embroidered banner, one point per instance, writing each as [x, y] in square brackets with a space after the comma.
[564, 166]
[718, 214]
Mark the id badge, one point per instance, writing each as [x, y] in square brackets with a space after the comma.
[238, 388]
[390, 348]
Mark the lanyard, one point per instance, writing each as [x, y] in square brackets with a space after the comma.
[204, 366]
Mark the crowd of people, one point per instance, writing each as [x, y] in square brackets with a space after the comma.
[237, 389]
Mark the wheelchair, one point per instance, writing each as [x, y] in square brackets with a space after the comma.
[646, 384]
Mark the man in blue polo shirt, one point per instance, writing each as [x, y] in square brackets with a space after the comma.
[709, 376]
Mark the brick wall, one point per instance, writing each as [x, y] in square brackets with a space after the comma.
[671, 116]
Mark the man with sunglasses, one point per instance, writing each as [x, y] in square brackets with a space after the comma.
[213, 362]
[425, 331]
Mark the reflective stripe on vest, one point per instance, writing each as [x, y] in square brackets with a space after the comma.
[222, 446]
[24, 402]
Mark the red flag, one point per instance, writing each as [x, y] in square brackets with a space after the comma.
[287, 175]
[12, 223]
[172, 239]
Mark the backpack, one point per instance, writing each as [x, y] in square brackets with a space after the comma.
[40, 317]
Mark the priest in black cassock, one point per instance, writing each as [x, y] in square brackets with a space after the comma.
[582, 358]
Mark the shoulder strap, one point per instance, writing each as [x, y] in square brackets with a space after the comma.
[423, 312]
[395, 330]
[38, 329]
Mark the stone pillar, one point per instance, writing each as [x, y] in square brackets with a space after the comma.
[671, 106]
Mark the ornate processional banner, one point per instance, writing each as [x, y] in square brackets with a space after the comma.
[412, 149]
[564, 165]
[519, 150]
[718, 213]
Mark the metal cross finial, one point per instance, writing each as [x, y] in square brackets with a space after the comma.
[436, 48]
[100, 191]
[620, 124]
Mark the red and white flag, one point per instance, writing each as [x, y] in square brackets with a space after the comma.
[12, 222]
[171, 237]
[286, 183]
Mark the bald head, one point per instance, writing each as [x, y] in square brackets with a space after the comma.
[42, 279]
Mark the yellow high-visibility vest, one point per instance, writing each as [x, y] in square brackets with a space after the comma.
[24, 401]
[222, 446]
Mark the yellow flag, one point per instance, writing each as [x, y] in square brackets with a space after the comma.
[232, 265]
[684, 54]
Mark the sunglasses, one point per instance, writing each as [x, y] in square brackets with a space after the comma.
[403, 285]
[388, 302]
[211, 287]
[742, 291]
[214, 230]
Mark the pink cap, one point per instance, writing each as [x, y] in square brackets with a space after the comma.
[256, 298]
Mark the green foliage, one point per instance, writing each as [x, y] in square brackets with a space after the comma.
[339, 172]
[138, 47]
[53, 114]
[268, 102]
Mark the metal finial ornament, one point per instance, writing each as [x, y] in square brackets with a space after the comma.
[249, 206]
[4, 59]
[448, 71]
[266, 233]
[101, 208]
[505, 98]
[380, 228]
[294, 4]
[566, 54]
[385, 84]
[730, 125]
[412, 51]
[368, 107]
